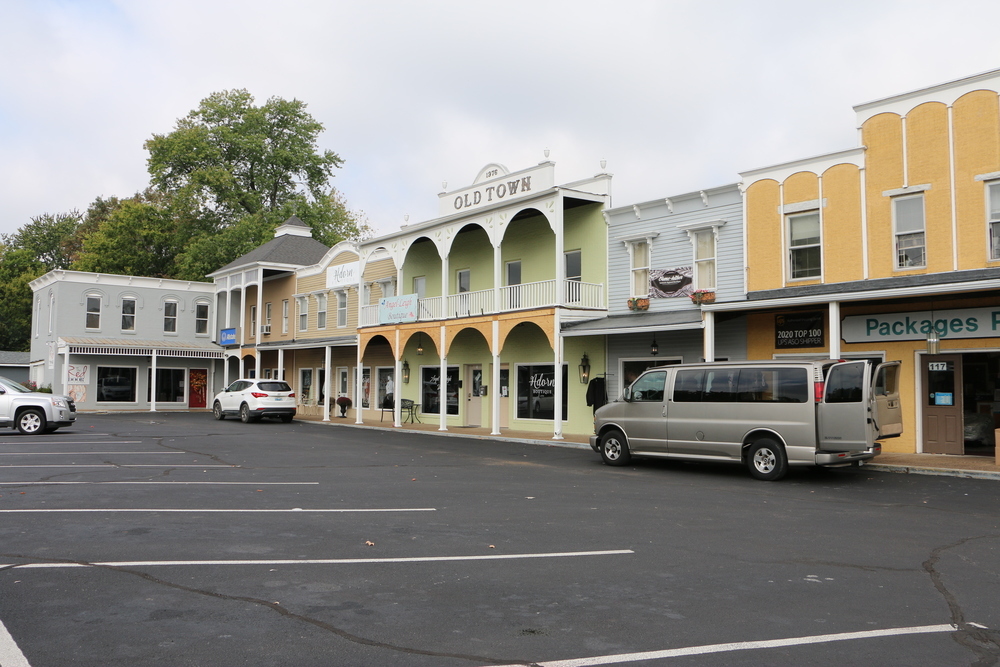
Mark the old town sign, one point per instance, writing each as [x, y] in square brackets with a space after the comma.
[496, 185]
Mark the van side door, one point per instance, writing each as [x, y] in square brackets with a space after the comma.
[887, 411]
[644, 422]
[843, 414]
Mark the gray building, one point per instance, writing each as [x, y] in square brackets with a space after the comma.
[102, 339]
[14, 365]
[664, 257]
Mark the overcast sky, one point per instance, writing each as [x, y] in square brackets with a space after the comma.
[676, 96]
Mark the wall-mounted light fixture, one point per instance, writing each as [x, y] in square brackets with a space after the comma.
[406, 372]
[933, 339]
[584, 369]
[420, 344]
[654, 349]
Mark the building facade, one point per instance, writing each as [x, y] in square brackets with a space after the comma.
[891, 250]
[125, 342]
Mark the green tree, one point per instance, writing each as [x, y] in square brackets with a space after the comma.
[137, 239]
[18, 267]
[235, 159]
[45, 237]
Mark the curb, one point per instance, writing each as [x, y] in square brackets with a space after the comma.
[938, 472]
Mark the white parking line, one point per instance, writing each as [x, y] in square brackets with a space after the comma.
[72, 442]
[325, 561]
[77, 453]
[10, 654]
[293, 509]
[742, 646]
[36, 483]
[119, 465]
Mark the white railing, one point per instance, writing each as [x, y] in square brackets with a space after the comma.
[541, 294]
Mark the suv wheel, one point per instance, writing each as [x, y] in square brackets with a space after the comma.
[217, 411]
[246, 415]
[31, 421]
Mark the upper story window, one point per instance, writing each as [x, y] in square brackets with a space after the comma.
[52, 309]
[303, 312]
[201, 318]
[574, 265]
[908, 226]
[253, 321]
[464, 280]
[341, 309]
[993, 190]
[704, 259]
[420, 286]
[170, 317]
[128, 314]
[803, 246]
[284, 316]
[321, 311]
[640, 268]
[93, 311]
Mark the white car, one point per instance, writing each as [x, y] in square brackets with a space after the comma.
[252, 399]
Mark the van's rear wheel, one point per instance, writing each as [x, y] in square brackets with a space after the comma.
[766, 460]
[614, 449]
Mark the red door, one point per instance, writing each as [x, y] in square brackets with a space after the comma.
[197, 388]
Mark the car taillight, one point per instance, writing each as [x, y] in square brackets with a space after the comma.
[258, 394]
[818, 389]
[291, 395]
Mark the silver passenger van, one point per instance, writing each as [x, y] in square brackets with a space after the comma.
[767, 415]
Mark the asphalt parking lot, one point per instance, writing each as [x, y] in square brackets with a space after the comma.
[173, 539]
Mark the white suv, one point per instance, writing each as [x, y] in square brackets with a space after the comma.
[252, 399]
[33, 412]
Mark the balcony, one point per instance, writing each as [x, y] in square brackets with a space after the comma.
[526, 296]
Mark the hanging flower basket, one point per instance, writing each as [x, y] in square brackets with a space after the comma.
[344, 402]
[640, 303]
[703, 296]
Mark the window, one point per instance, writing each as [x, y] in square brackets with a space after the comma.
[93, 312]
[430, 390]
[704, 259]
[303, 312]
[574, 274]
[169, 384]
[746, 385]
[514, 279]
[170, 316]
[464, 280]
[267, 314]
[649, 388]
[341, 309]
[640, 268]
[201, 318]
[321, 311]
[803, 244]
[253, 321]
[115, 385]
[284, 316]
[994, 219]
[420, 286]
[908, 221]
[52, 309]
[845, 383]
[128, 314]
[536, 391]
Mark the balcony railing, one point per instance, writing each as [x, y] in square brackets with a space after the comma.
[542, 294]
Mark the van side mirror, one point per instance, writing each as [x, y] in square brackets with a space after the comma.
[627, 394]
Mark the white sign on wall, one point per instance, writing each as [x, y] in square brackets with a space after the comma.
[960, 323]
[343, 275]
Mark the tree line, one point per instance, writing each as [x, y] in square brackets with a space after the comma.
[227, 175]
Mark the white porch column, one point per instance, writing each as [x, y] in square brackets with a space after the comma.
[243, 323]
[495, 381]
[152, 382]
[708, 335]
[443, 389]
[281, 363]
[65, 372]
[497, 278]
[326, 383]
[260, 318]
[557, 395]
[834, 329]
[397, 384]
[225, 369]
[444, 287]
[358, 379]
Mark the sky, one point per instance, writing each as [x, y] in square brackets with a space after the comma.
[675, 96]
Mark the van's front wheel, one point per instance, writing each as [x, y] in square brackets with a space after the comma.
[614, 449]
[766, 460]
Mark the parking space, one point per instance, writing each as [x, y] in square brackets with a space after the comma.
[174, 539]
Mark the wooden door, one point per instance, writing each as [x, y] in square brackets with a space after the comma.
[473, 390]
[197, 388]
[941, 378]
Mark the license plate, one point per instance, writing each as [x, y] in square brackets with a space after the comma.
[277, 398]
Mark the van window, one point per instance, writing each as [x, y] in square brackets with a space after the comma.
[688, 386]
[649, 388]
[843, 384]
[720, 385]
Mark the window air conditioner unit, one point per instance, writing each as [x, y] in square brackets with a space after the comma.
[265, 329]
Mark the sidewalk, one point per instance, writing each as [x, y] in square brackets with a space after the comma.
[976, 467]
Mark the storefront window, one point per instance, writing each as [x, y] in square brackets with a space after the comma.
[430, 390]
[169, 385]
[536, 391]
[115, 385]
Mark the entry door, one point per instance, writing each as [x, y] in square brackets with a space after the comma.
[197, 388]
[504, 390]
[942, 403]
[473, 389]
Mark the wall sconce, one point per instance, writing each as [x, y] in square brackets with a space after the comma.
[654, 349]
[420, 344]
[584, 369]
[406, 372]
[933, 341]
